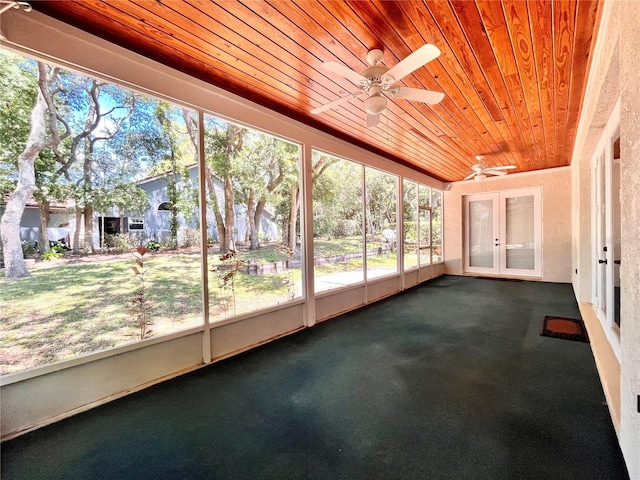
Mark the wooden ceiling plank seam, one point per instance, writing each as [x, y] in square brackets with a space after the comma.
[240, 52]
[541, 25]
[334, 49]
[471, 24]
[196, 47]
[345, 86]
[464, 129]
[241, 81]
[517, 20]
[481, 127]
[497, 28]
[450, 31]
[588, 13]
[284, 60]
[113, 28]
[564, 20]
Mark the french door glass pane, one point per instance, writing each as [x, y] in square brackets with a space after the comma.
[481, 233]
[520, 233]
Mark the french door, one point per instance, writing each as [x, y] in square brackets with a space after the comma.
[503, 232]
[607, 238]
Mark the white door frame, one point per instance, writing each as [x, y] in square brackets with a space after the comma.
[603, 232]
[500, 246]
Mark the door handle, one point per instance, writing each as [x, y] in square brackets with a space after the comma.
[602, 261]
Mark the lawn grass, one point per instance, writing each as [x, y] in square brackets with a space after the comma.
[67, 310]
[64, 311]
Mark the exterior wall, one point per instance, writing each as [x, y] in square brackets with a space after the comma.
[630, 272]
[615, 74]
[156, 223]
[556, 215]
[59, 225]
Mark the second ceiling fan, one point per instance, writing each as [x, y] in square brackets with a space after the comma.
[377, 82]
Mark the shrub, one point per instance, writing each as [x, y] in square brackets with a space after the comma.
[28, 248]
[122, 242]
[190, 237]
[53, 253]
[153, 246]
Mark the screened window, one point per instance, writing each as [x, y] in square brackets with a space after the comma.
[253, 219]
[410, 219]
[381, 223]
[124, 150]
[337, 222]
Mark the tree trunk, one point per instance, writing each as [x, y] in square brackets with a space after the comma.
[88, 229]
[43, 235]
[15, 266]
[215, 207]
[251, 217]
[293, 216]
[76, 230]
[229, 214]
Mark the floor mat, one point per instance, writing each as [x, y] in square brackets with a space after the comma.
[565, 328]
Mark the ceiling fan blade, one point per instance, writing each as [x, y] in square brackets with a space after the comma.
[494, 172]
[417, 94]
[506, 167]
[373, 119]
[470, 176]
[335, 103]
[417, 59]
[344, 71]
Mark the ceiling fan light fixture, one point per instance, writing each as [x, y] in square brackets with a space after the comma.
[375, 104]
[480, 177]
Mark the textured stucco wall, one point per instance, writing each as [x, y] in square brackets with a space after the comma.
[615, 74]
[556, 215]
[630, 265]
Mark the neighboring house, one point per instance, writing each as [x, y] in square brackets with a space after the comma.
[156, 221]
[152, 225]
[61, 222]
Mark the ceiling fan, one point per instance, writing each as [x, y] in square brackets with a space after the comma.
[377, 82]
[480, 170]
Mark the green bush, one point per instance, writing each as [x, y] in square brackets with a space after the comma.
[153, 246]
[53, 253]
[28, 248]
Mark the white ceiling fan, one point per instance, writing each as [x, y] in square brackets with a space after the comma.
[480, 170]
[377, 82]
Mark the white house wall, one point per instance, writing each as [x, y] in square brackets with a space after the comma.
[615, 74]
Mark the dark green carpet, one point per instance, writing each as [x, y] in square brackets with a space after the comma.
[448, 380]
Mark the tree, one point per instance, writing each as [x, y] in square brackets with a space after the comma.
[223, 142]
[266, 163]
[43, 134]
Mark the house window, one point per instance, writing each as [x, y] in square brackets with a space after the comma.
[164, 207]
[136, 224]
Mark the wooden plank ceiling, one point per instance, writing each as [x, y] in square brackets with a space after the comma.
[513, 71]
